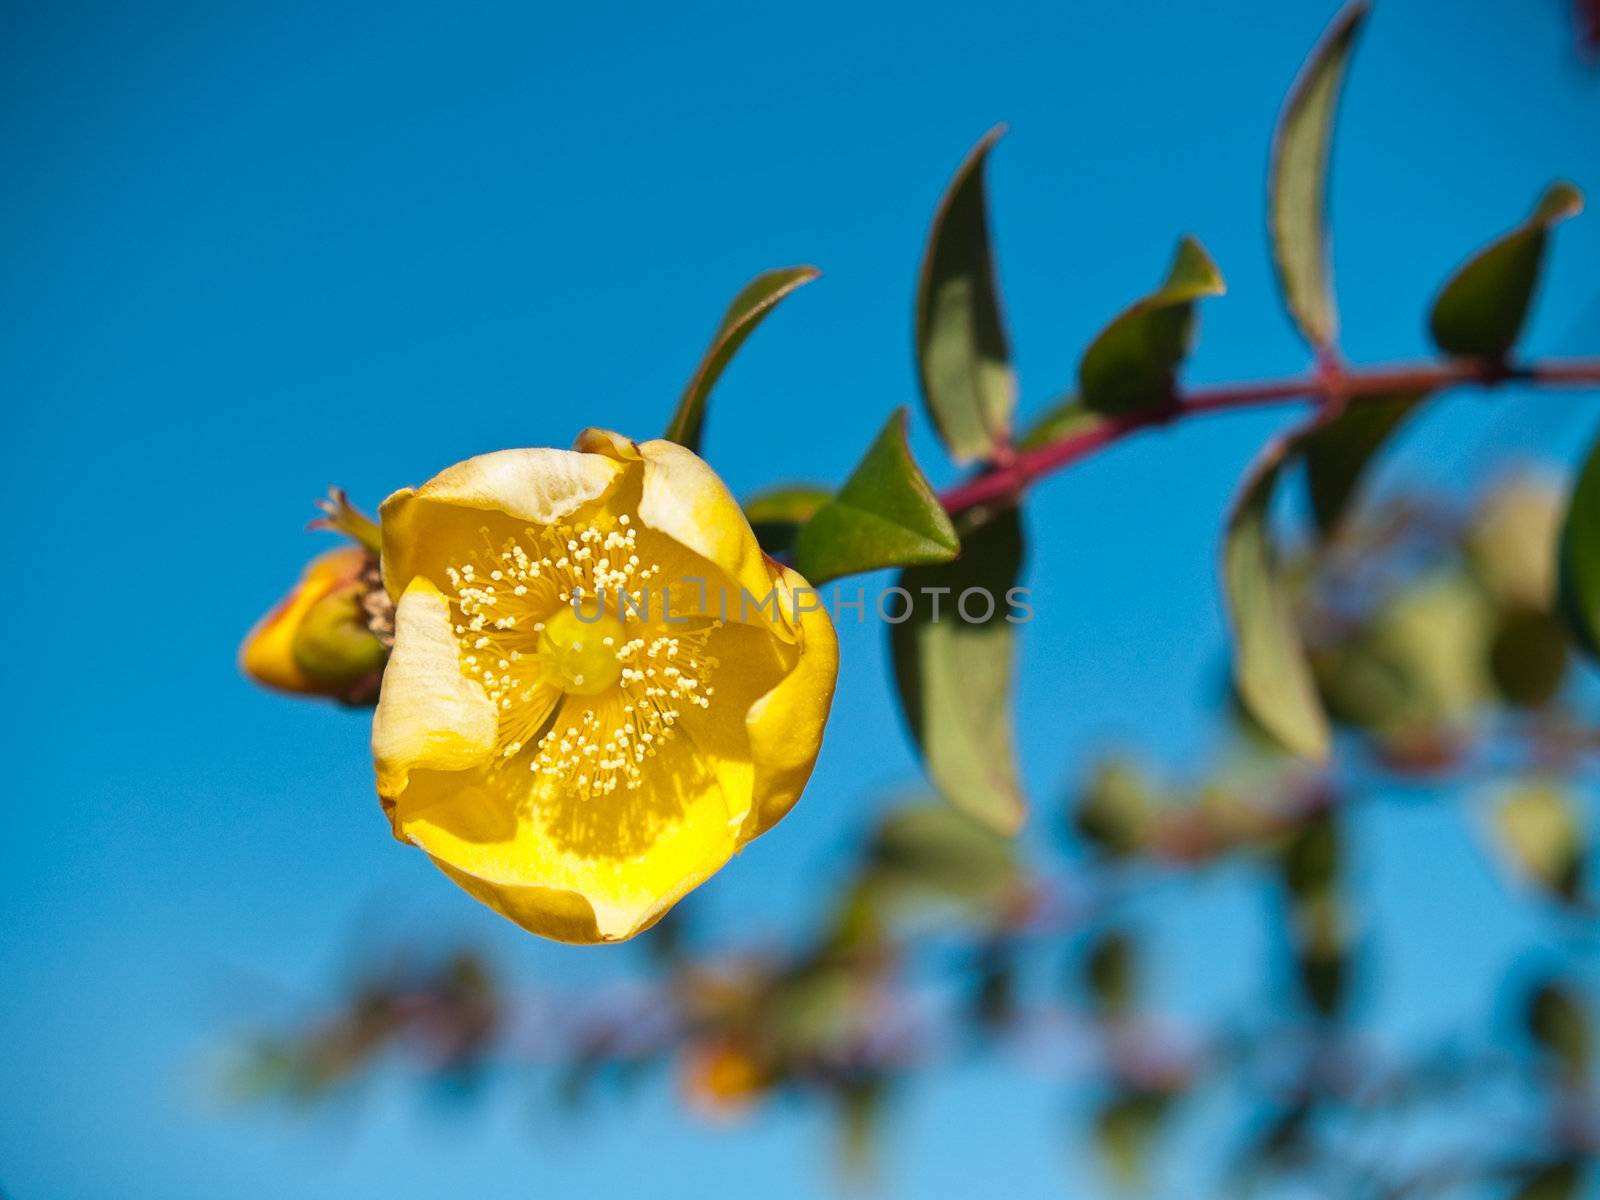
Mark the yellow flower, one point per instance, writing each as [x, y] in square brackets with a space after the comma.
[317, 642]
[580, 768]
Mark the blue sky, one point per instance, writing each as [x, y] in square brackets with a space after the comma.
[255, 249]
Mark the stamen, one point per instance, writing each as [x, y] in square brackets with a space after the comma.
[611, 690]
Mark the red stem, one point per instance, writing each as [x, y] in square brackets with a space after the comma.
[1007, 480]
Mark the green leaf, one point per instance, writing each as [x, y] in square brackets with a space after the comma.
[775, 516]
[749, 308]
[1580, 557]
[1125, 1131]
[886, 515]
[932, 850]
[1310, 866]
[1297, 185]
[1553, 1181]
[1132, 365]
[954, 676]
[1111, 971]
[1067, 419]
[962, 354]
[1528, 657]
[1481, 310]
[1339, 451]
[1558, 1020]
[1324, 972]
[1312, 858]
[859, 1110]
[1269, 662]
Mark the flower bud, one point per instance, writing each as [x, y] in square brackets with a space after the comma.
[722, 1079]
[319, 640]
[1512, 543]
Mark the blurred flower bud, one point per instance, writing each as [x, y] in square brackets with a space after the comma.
[1512, 542]
[1416, 675]
[319, 640]
[722, 1079]
[1538, 828]
[1116, 808]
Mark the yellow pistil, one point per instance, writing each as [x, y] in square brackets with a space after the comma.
[580, 654]
[566, 636]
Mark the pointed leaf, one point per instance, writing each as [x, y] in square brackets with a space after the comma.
[749, 308]
[1132, 365]
[1269, 662]
[1340, 450]
[1481, 310]
[1297, 186]
[1580, 557]
[775, 516]
[886, 515]
[962, 354]
[954, 675]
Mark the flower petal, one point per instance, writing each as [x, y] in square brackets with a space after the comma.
[785, 725]
[683, 498]
[538, 485]
[552, 870]
[430, 715]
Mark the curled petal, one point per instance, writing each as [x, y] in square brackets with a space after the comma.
[785, 725]
[538, 486]
[430, 715]
[683, 498]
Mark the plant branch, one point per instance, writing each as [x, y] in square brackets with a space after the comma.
[1006, 482]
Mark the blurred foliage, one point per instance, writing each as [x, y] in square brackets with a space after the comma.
[953, 670]
[935, 938]
[1400, 609]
